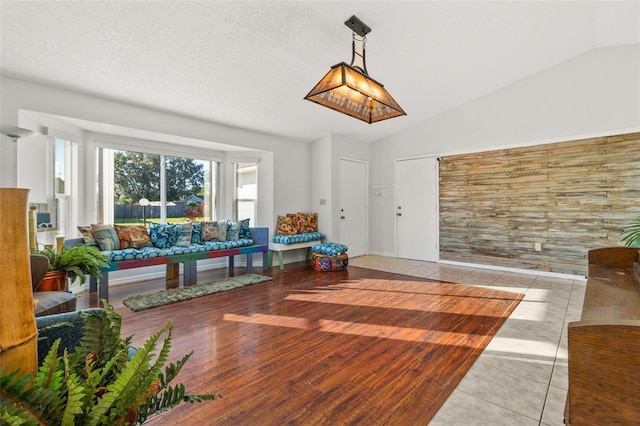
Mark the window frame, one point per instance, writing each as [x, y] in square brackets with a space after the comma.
[105, 160]
[65, 204]
[249, 163]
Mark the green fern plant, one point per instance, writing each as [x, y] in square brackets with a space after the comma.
[99, 383]
[79, 261]
[631, 233]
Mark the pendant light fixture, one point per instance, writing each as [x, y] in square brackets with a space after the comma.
[349, 89]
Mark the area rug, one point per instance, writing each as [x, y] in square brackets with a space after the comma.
[174, 295]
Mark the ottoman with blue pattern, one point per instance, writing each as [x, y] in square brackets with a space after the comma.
[329, 257]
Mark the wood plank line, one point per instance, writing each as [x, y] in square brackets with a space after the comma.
[569, 197]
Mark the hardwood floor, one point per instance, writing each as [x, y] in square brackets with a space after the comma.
[352, 347]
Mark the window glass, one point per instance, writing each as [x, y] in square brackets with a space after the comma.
[156, 188]
[186, 189]
[61, 162]
[246, 194]
[62, 185]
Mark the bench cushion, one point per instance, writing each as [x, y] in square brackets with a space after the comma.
[149, 252]
[298, 238]
[331, 249]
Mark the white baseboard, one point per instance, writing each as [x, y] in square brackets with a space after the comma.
[382, 253]
[496, 268]
[515, 270]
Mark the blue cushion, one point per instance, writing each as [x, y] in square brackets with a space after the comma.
[331, 249]
[298, 238]
[149, 252]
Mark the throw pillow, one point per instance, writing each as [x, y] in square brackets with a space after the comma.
[133, 236]
[285, 226]
[307, 222]
[244, 229]
[295, 222]
[162, 236]
[182, 234]
[105, 236]
[85, 232]
[233, 231]
[209, 231]
[196, 233]
[222, 230]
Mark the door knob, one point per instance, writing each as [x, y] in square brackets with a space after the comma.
[398, 214]
[342, 217]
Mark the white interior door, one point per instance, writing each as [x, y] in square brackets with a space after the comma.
[417, 209]
[353, 206]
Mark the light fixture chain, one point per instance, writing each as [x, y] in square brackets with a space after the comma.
[355, 53]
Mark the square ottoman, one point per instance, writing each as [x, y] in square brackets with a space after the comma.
[329, 257]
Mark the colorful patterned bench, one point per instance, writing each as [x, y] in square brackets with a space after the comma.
[292, 242]
[150, 256]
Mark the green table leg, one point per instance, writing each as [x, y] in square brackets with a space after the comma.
[280, 259]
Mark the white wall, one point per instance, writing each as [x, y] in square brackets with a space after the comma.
[8, 162]
[284, 179]
[597, 93]
[320, 175]
[34, 157]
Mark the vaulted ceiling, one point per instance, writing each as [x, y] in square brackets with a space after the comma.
[248, 64]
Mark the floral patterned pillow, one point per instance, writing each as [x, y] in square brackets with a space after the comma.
[306, 222]
[196, 233]
[244, 228]
[133, 236]
[286, 226]
[161, 235]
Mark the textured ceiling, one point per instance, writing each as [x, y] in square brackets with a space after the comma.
[248, 64]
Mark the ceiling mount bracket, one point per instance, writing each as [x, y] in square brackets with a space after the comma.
[357, 26]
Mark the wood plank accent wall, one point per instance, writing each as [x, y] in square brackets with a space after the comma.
[569, 196]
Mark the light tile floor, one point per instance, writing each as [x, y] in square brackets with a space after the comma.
[521, 377]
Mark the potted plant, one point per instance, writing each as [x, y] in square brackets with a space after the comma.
[73, 262]
[103, 381]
